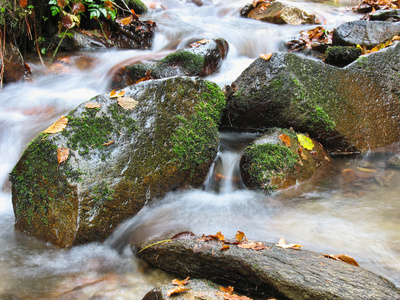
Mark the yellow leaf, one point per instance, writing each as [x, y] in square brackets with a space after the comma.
[180, 282]
[92, 105]
[114, 94]
[266, 56]
[127, 103]
[282, 244]
[177, 290]
[62, 155]
[305, 141]
[57, 126]
[343, 257]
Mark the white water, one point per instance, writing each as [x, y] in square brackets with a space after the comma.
[364, 223]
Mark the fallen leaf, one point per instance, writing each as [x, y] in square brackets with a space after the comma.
[183, 235]
[225, 247]
[302, 155]
[285, 139]
[343, 257]
[228, 289]
[77, 8]
[216, 237]
[125, 21]
[240, 235]
[92, 105]
[259, 246]
[62, 155]
[109, 143]
[282, 244]
[202, 248]
[255, 2]
[127, 103]
[247, 245]
[177, 290]
[235, 297]
[23, 3]
[305, 141]
[180, 282]
[57, 126]
[266, 56]
[113, 94]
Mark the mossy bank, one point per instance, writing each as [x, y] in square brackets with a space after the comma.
[118, 159]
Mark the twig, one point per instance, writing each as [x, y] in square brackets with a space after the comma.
[36, 40]
[160, 242]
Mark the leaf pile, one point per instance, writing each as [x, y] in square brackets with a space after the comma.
[367, 6]
[180, 286]
[317, 38]
[127, 103]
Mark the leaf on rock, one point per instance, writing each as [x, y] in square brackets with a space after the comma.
[285, 139]
[302, 155]
[282, 244]
[125, 21]
[93, 105]
[109, 143]
[240, 235]
[113, 94]
[235, 297]
[266, 56]
[343, 257]
[62, 155]
[305, 141]
[127, 103]
[216, 237]
[228, 289]
[57, 126]
[177, 290]
[180, 282]
[247, 245]
[198, 43]
[183, 235]
[225, 247]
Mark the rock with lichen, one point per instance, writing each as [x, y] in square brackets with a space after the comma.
[123, 152]
[345, 109]
[200, 58]
[282, 158]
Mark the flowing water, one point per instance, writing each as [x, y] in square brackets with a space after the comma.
[358, 216]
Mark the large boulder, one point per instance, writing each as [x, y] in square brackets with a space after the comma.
[200, 58]
[365, 33]
[119, 159]
[282, 159]
[272, 271]
[278, 13]
[354, 108]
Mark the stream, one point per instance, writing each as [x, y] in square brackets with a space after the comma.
[359, 218]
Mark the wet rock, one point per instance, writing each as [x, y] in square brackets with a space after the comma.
[200, 58]
[341, 56]
[277, 160]
[197, 289]
[354, 108]
[119, 159]
[14, 65]
[394, 161]
[272, 272]
[392, 15]
[279, 13]
[364, 33]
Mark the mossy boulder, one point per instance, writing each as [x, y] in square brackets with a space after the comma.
[138, 6]
[341, 56]
[277, 160]
[118, 159]
[278, 13]
[346, 109]
[200, 58]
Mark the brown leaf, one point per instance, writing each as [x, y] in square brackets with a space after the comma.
[67, 22]
[143, 79]
[183, 235]
[266, 56]
[285, 139]
[77, 8]
[125, 21]
[92, 105]
[180, 282]
[235, 297]
[61, 3]
[343, 257]
[302, 155]
[177, 290]
[57, 126]
[282, 244]
[228, 289]
[216, 237]
[240, 235]
[127, 103]
[62, 155]
[109, 143]
[23, 3]
[247, 245]
[225, 247]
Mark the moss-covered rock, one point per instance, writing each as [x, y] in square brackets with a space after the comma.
[278, 160]
[138, 6]
[347, 109]
[341, 56]
[201, 58]
[118, 160]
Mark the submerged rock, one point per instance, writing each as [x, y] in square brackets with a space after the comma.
[354, 108]
[118, 160]
[278, 13]
[277, 160]
[272, 272]
[364, 33]
[201, 58]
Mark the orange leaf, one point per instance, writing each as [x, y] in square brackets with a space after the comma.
[285, 139]
[57, 126]
[62, 155]
[266, 56]
[343, 257]
[114, 94]
[125, 21]
[235, 297]
[143, 79]
[247, 245]
[23, 3]
[77, 8]
[61, 3]
[240, 235]
[177, 290]
[109, 143]
[225, 247]
[133, 12]
[92, 105]
[228, 289]
[180, 282]
[108, 4]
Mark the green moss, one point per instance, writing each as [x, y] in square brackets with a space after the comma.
[320, 119]
[200, 130]
[267, 160]
[192, 63]
[362, 62]
[138, 6]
